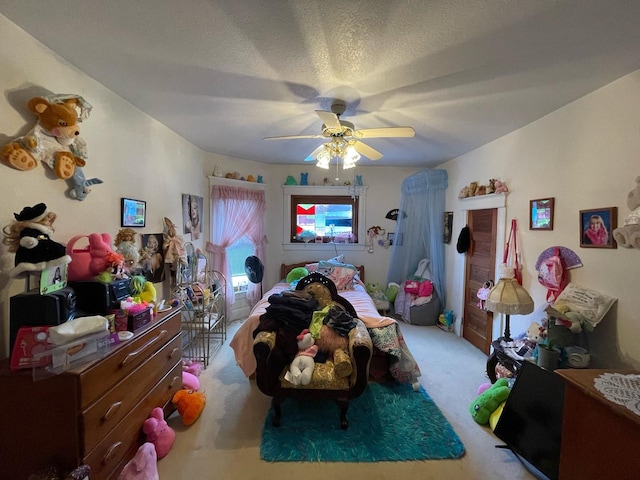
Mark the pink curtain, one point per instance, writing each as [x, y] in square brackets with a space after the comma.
[236, 212]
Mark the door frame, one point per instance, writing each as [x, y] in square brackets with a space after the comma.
[482, 202]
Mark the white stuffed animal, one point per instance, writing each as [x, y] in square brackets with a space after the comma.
[301, 368]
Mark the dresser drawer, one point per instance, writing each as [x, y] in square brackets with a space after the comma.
[114, 368]
[118, 446]
[108, 410]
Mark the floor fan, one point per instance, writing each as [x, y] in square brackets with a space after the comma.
[254, 269]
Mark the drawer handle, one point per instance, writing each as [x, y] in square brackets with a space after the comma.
[173, 352]
[112, 409]
[173, 382]
[134, 354]
[111, 452]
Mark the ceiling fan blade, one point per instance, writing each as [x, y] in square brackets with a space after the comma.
[314, 155]
[366, 150]
[330, 119]
[289, 137]
[384, 132]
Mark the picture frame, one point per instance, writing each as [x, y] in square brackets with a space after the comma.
[596, 227]
[134, 213]
[541, 213]
[390, 237]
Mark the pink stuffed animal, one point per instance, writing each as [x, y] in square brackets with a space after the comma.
[159, 433]
[190, 381]
[91, 260]
[143, 466]
[501, 187]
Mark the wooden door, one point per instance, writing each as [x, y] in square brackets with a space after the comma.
[479, 267]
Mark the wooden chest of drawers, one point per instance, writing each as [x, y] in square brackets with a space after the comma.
[92, 413]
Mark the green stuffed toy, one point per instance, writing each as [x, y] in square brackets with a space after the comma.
[296, 274]
[489, 401]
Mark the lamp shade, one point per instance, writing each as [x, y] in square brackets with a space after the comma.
[508, 296]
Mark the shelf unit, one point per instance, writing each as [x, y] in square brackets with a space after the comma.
[202, 295]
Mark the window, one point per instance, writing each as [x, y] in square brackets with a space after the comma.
[237, 254]
[317, 217]
[324, 219]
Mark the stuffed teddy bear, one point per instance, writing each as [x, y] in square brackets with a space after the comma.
[628, 235]
[489, 400]
[158, 432]
[29, 238]
[500, 186]
[491, 187]
[301, 368]
[55, 142]
[190, 404]
[143, 466]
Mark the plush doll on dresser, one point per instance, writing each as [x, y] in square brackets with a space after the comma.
[29, 237]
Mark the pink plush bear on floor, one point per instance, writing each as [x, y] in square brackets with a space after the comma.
[143, 466]
[159, 433]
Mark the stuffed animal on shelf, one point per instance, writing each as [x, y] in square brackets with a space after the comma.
[301, 368]
[54, 141]
[500, 186]
[489, 400]
[628, 235]
[158, 432]
[190, 404]
[143, 466]
[29, 238]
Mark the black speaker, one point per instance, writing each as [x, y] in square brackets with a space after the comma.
[97, 298]
[31, 309]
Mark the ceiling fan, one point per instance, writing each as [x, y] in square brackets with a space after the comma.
[342, 134]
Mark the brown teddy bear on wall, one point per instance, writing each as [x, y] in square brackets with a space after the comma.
[54, 140]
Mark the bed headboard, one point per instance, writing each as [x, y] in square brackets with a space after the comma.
[286, 268]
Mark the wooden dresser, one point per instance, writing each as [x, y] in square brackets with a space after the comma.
[600, 439]
[93, 413]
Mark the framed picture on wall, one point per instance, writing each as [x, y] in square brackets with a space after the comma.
[134, 213]
[541, 214]
[596, 227]
[448, 223]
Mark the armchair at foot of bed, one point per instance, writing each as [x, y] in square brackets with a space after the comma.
[340, 378]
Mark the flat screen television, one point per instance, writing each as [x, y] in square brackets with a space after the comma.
[531, 421]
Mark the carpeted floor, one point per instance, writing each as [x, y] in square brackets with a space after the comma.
[396, 423]
[224, 443]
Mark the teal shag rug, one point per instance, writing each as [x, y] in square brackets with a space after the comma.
[389, 422]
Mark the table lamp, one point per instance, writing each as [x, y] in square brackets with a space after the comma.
[509, 297]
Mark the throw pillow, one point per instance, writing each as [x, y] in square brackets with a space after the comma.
[341, 274]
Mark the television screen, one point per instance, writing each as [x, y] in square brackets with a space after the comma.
[531, 421]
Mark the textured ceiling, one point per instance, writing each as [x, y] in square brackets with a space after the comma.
[225, 74]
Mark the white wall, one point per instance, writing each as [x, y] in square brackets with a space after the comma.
[586, 156]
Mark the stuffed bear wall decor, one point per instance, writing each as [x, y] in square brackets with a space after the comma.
[29, 237]
[55, 142]
[628, 235]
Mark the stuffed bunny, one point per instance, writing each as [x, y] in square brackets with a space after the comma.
[143, 466]
[159, 433]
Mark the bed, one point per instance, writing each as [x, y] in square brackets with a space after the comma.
[390, 348]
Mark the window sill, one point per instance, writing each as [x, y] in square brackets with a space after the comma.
[323, 247]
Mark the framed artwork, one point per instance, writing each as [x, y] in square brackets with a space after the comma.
[152, 257]
[390, 237]
[448, 223]
[596, 226]
[541, 214]
[192, 209]
[134, 213]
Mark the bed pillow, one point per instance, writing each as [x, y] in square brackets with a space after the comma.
[296, 274]
[592, 304]
[311, 267]
[341, 274]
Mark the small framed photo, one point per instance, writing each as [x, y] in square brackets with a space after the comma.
[541, 214]
[134, 213]
[596, 227]
[390, 237]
